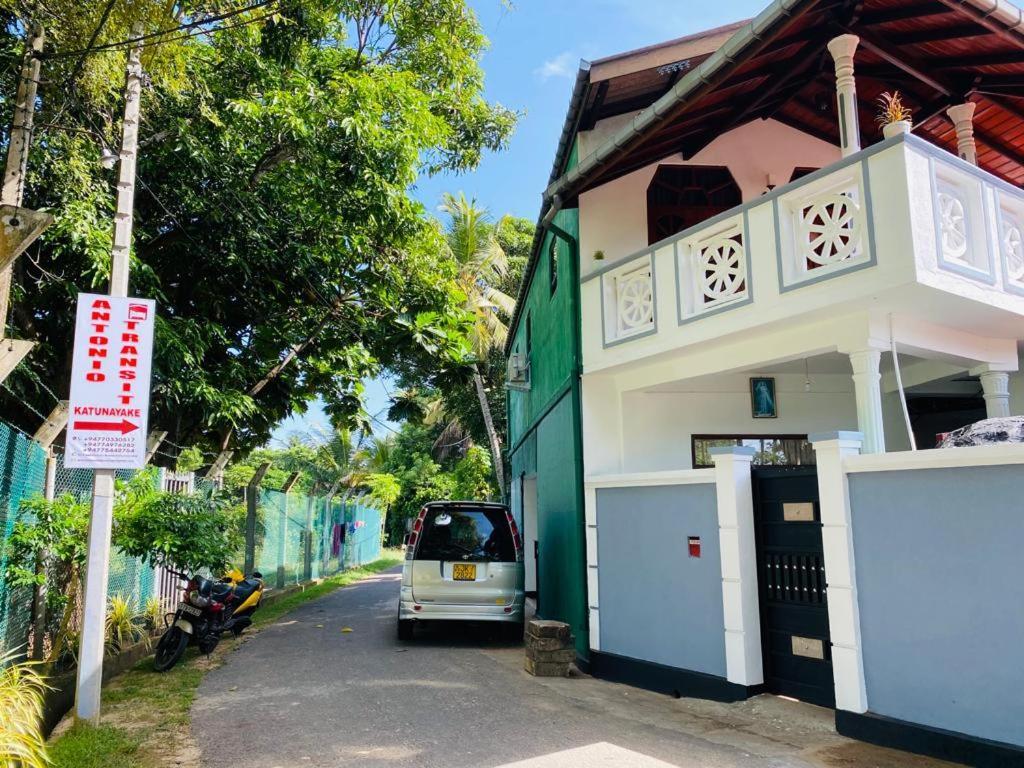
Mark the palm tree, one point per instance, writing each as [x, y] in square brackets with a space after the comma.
[482, 265]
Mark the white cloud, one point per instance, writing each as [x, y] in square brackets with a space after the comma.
[560, 66]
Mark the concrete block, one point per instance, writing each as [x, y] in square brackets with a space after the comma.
[547, 643]
[546, 669]
[548, 628]
[559, 656]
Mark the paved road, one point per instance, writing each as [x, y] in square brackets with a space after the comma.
[304, 693]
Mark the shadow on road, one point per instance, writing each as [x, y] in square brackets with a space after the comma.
[486, 635]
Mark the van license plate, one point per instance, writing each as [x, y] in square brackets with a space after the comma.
[464, 572]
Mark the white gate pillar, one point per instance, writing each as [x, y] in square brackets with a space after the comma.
[867, 387]
[735, 494]
[843, 49]
[831, 449]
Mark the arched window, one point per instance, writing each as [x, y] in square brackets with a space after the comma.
[681, 196]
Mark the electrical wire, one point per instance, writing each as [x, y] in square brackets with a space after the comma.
[192, 25]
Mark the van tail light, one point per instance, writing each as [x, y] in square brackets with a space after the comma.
[414, 535]
[516, 539]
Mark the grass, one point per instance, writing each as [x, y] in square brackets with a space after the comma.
[86, 746]
[146, 715]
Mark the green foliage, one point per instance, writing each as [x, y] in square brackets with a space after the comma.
[190, 459]
[273, 210]
[198, 531]
[21, 702]
[472, 474]
[153, 614]
[125, 626]
[59, 528]
[384, 489]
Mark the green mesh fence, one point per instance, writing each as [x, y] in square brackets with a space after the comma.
[301, 537]
[22, 475]
[363, 534]
[298, 536]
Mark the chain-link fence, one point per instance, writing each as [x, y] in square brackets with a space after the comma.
[295, 537]
[300, 537]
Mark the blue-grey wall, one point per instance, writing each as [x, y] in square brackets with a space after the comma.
[940, 578]
[656, 602]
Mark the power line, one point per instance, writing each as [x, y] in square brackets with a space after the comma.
[170, 30]
[92, 40]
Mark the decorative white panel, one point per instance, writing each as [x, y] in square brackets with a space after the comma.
[952, 215]
[712, 269]
[1011, 240]
[629, 300]
[824, 227]
[964, 229]
[831, 229]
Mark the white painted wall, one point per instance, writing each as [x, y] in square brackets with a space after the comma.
[657, 426]
[530, 532]
[613, 217]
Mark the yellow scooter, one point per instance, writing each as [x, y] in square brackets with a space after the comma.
[208, 609]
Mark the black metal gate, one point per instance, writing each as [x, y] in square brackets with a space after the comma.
[791, 581]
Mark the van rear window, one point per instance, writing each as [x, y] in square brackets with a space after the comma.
[472, 535]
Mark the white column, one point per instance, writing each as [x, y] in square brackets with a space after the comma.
[843, 49]
[962, 116]
[995, 386]
[840, 573]
[868, 390]
[739, 564]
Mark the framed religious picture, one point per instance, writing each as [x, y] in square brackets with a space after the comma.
[762, 397]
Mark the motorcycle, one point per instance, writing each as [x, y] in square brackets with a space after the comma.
[207, 610]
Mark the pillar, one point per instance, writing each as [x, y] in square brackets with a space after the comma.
[995, 386]
[867, 386]
[962, 116]
[843, 49]
[735, 494]
[831, 451]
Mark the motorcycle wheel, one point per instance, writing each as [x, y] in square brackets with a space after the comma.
[208, 643]
[170, 649]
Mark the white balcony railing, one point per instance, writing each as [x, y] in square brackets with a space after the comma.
[900, 213]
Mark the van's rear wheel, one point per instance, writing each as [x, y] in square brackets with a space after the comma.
[405, 629]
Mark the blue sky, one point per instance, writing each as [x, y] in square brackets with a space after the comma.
[536, 47]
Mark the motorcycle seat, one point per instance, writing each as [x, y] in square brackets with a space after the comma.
[245, 588]
[220, 590]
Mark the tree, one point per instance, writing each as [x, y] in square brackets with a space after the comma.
[273, 218]
[481, 267]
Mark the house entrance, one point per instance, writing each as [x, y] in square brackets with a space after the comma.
[797, 651]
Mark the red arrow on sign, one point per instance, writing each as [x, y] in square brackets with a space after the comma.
[124, 427]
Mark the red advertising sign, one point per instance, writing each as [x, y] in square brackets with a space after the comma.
[109, 408]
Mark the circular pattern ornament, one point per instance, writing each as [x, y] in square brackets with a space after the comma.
[831, 228]
[1013, 251]
[953, 226]
[721, 269]
[636, 302]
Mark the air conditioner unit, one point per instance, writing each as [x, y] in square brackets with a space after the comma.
[517, 374]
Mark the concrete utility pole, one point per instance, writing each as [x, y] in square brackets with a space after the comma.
[252, 500]
[90, 655]
[18, 227]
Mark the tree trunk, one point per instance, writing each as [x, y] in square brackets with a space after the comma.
[492, 436]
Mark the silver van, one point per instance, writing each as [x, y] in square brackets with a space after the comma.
[463, 562]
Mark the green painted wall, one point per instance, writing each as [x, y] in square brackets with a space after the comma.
[544, 429]
[552, 319]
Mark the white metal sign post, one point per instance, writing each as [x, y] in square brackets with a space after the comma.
[110, 383]
[90, 649]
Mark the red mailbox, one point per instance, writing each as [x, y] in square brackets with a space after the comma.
[694, 543]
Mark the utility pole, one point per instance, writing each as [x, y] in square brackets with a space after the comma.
[20, 226]
[90, 655]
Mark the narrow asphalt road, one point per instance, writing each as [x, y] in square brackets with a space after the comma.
[304, 693]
